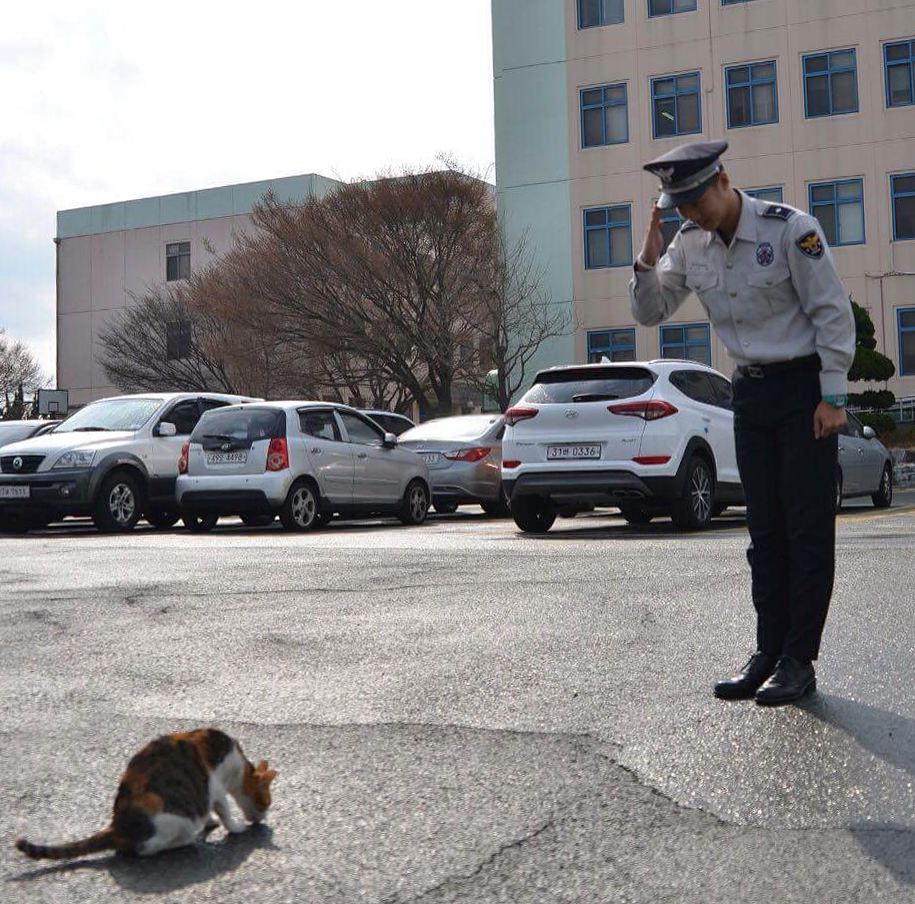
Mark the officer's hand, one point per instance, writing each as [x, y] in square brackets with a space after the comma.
[828, 420]
[654, 240]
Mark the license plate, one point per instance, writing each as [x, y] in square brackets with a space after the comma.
[430, 458]
[15, 492]
[573, 451]
[227, 458]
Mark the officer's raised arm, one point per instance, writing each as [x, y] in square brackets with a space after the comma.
[824, 300]
[657, 287]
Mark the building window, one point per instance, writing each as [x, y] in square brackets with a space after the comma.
[604, 116]
[773, 194]
[676, 108]
[616, 345]
[671, 222]
[608, 237]
[666, 7]
[593, 13]
[903, 188]
[178, 340]
[178, 261]
[690, 342]
[732, 2]
[899, 60]
[839, 206]
[752, 95]
[830, 83]
[905, 319]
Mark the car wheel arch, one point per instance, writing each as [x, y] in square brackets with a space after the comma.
[696, 447]
[127, 465]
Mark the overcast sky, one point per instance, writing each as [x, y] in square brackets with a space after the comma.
[106, 101]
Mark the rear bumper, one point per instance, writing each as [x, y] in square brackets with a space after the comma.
[50, 492]
[452, 483]
[609, 487]
[231, 495]
[227, 502]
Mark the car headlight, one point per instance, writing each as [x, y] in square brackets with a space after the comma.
[79, 458]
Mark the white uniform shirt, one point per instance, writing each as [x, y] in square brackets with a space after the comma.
[772, 295]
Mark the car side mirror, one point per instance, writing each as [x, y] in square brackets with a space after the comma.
[166, 429]
[869, 433]
[390, 440]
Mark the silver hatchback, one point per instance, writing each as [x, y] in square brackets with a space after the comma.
[464, 455]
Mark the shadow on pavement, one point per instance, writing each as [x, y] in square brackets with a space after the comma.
[172, 870]
[891, 737]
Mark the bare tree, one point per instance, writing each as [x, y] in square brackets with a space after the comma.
[514, 316]
[20, 373]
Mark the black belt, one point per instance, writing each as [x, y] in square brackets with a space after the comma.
[776, 368]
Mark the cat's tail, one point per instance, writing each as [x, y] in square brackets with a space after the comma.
[100, 841]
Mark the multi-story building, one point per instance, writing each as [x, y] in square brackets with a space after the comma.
[111, 252]
[817, 101]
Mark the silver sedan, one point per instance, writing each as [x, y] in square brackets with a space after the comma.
[464, 455]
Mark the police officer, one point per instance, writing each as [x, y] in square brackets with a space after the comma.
[765, 275]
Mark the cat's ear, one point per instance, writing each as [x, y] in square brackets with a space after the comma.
[268, 776]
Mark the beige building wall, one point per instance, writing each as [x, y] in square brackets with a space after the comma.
[871, 144]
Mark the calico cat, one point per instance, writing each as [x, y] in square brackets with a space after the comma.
[168, 793]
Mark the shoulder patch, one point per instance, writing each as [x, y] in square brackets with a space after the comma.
[777, 212]
[688, 224]
[810, 244]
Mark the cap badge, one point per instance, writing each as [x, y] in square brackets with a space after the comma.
[764, 254]
[665, 173]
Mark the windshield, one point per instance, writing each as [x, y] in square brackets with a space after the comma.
[591, 384]
[111, 414]
[243, 424]
[452, 428]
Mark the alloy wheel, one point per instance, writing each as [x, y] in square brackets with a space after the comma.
[122, 503]
[304, 506]
[418, 503]
[701, 494]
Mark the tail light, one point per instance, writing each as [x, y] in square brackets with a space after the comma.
[476, 454]
[651, 459]
[510, 463]
[277, 454]
[649, 411]
[518, 413]
[182, 461]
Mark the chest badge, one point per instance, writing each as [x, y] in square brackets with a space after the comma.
[764, 254]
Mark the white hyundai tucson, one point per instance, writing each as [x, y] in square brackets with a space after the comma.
[652, 438]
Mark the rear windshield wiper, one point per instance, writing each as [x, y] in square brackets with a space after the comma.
[89, 429]
[223, 436]
[594, 397]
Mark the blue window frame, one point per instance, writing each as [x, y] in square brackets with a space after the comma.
[905, 327]
[689, 341]
[732, 2]
[902, 188]
[608, 237]
[594, 13]
[671, 222]
[752, 93]
[830, 83]
[839, 206]
[604, 116]
[772, 193]
[676, 108]
[899, 63]
[617, 345]
[668, 7]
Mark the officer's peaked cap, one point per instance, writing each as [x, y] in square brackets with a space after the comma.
[687, 171]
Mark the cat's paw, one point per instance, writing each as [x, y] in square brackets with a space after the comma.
[236, 828]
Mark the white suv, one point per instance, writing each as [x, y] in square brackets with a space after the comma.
[652, 438]
[303, 461]
[115, 459]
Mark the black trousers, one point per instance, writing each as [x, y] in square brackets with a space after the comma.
[789, 479]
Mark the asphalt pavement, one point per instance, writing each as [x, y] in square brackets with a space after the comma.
[459, 712]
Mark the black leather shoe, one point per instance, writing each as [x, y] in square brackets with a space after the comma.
[745, 684]
[791, 680]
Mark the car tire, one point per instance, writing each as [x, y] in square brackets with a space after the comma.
[415, 504]
[693, 510]
[533, 514]
[258, 520]
[162, 519]
[719, 509]
[302, 509]
[838, 499]
[444, 506]
[495, 508]
[198, 523]
[118, 504]
[636, 514]
[883, 498]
